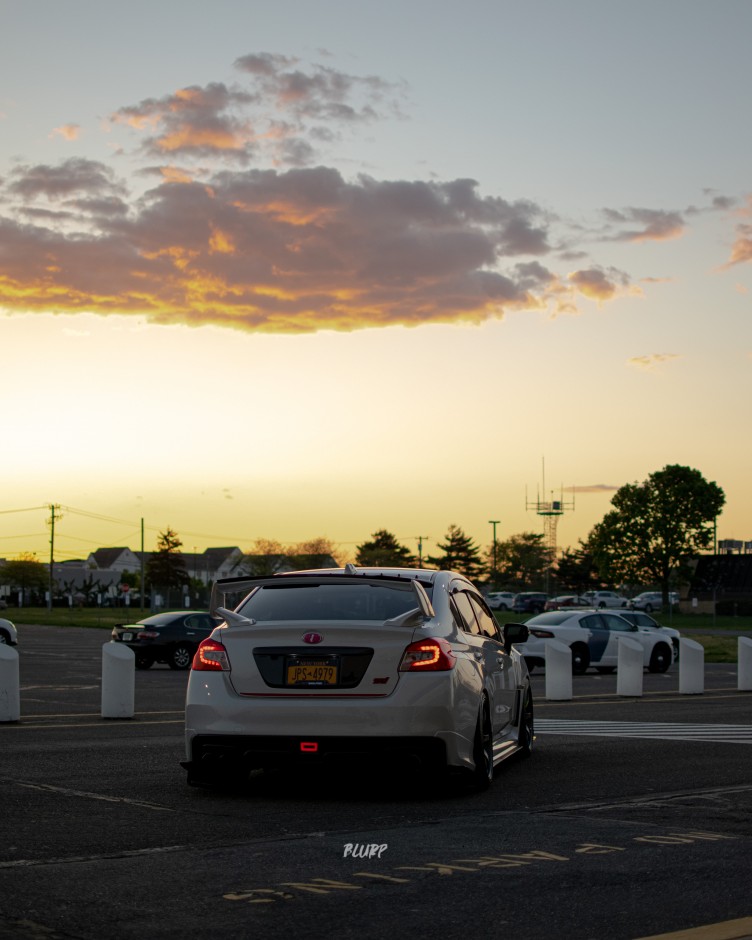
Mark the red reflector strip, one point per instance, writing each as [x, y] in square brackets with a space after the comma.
[309, 747]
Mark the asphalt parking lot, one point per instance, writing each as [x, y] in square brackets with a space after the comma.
[633, 818]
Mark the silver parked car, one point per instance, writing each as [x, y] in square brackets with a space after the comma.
[356, 664]
[603, 599]
[500, 600]
[650, 601]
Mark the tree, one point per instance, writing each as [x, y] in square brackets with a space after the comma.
[576, 570]
[266, 555]
[655, 525]
[166, 569]
[384, 551]
[460, 554]
[25, 573]
[522, 561]
[320, 548]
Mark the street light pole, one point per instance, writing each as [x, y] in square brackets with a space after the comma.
[494, 523]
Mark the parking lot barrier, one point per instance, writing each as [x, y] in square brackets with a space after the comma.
[691, 667]
[10, 694]
[558, 671]
[118, 681]
[630, 667]
[745, 664]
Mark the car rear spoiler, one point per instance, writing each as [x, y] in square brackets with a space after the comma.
[228, 593]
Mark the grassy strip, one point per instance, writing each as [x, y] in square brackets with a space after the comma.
[104, 617]
[718, 649]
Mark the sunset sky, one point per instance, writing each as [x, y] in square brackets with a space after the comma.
[298, 269]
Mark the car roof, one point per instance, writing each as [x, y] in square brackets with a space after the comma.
[557, 617]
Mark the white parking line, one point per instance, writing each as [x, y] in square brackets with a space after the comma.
[674, 731]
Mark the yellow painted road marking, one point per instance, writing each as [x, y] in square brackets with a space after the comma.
[727, 930]
[93, 796]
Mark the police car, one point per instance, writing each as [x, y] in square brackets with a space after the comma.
[593, 636]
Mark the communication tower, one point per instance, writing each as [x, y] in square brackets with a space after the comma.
[550, 510]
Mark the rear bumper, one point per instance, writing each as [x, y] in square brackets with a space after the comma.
[217, 757]
[426, 718]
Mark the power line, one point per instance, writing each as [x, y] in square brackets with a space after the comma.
[4, 512]
[99, 516]
[33, 535]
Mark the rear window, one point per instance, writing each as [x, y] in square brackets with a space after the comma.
[551, 619]
[329, 602]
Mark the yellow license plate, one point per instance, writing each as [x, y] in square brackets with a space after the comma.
[307, 673]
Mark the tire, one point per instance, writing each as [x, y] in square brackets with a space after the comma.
[4, 638]
[143, 662]
[580, 659]
[660, 658]
[530, 666]
[181, 656]
[648, 608]
[483, 751]
[526, 733]
[601, 605]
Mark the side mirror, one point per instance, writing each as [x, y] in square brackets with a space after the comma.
[514, 633]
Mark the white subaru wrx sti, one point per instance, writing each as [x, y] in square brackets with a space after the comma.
[355, 664]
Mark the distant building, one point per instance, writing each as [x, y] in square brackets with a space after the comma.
[118, 559]
[212, 563]
[721, 583]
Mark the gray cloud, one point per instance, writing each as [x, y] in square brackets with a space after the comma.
[285, 251]
[637, 225]
[73, 176]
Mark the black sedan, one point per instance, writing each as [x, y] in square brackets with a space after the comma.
[529, 602]
[171, 637]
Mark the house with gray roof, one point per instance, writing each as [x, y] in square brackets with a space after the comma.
[117, 559]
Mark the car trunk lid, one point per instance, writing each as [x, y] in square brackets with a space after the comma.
[316, 657]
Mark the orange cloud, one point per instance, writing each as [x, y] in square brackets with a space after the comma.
[741, 250]
[648, 363]
[601, 285]
[67, 131]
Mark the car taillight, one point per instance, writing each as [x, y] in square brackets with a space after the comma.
[211, 656]
[433, 655]
[147, 635]
[542, 633]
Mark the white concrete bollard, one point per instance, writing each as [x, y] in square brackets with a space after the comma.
[118, 681]
[691, 667]
[745, 664]
[10, 690]
[558, 671]
[630, 667]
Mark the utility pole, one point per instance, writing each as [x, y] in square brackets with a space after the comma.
[143, 585]
[494, 523]
[51, 523]
[420, 548]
